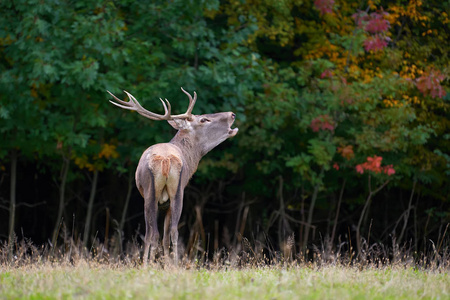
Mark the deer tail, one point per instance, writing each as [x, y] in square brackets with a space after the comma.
[163, 164]
[165, 167]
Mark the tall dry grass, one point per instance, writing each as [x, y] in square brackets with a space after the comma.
[245, 254]
[250, 270]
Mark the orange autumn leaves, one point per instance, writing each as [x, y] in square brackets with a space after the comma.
[346, 152]
[372, 164]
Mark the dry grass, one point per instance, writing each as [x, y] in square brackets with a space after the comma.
[94, 280]
[70, 271]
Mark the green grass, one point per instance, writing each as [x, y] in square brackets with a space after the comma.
[103, 281]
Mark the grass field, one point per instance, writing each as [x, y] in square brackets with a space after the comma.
[106, 281]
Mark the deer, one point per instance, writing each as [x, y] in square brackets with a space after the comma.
[165, 169]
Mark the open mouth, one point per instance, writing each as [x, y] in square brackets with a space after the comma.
[233, 131]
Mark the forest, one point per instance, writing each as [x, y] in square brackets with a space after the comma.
[343, 110]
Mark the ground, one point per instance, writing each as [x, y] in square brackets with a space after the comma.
[109, 281]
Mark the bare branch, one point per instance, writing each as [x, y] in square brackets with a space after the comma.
[30, 205]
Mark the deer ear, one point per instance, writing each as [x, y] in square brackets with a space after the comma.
[179, 124]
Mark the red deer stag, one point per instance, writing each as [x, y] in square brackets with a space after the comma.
[165, 169]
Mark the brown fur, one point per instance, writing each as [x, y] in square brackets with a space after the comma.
[165, 169]
[165, 163]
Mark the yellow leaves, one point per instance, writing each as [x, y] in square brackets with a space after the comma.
[409, 71]
[353, 69]
[393, 16]
[107, 151]
[405, 100]
[6, 41]
[411, 100]
[367, 78]
[411, 11]
[429, 31]
[445, 18]
[372, 5]
[391, 102]
[330, 52]
[366, 74]
[83, 162]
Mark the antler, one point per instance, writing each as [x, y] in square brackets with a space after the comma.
[188, 113]
[133, 104]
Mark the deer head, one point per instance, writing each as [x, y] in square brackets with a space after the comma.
[207, 130]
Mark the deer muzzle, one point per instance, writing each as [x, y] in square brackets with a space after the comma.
[233, 131]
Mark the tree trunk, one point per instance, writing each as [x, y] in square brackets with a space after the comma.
[406, 217]
[62, 191]
[12, 202]
[364, 210]
[87, 224]
[361, 217]
[284, 230]
[310, 213]
[338, 208]
[127, 201]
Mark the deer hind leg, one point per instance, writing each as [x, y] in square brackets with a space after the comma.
[175, 218]
[151, 224]
[175, 190]
[166, 238]
[176, 206]
[151, 235]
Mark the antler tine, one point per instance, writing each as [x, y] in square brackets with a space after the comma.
[168, 108]
[125, 104]
[188, 112]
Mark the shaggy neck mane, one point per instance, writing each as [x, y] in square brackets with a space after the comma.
[191, 151]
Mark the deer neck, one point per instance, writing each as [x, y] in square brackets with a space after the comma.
[191, 151]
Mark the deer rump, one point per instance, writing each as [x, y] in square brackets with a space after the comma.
[166, 171]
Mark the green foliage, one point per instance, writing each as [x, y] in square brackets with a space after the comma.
[303, 81]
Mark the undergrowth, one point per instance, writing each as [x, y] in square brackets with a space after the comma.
[243, 255]
[246, 271]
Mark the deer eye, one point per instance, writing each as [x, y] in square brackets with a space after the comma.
[203, 120]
